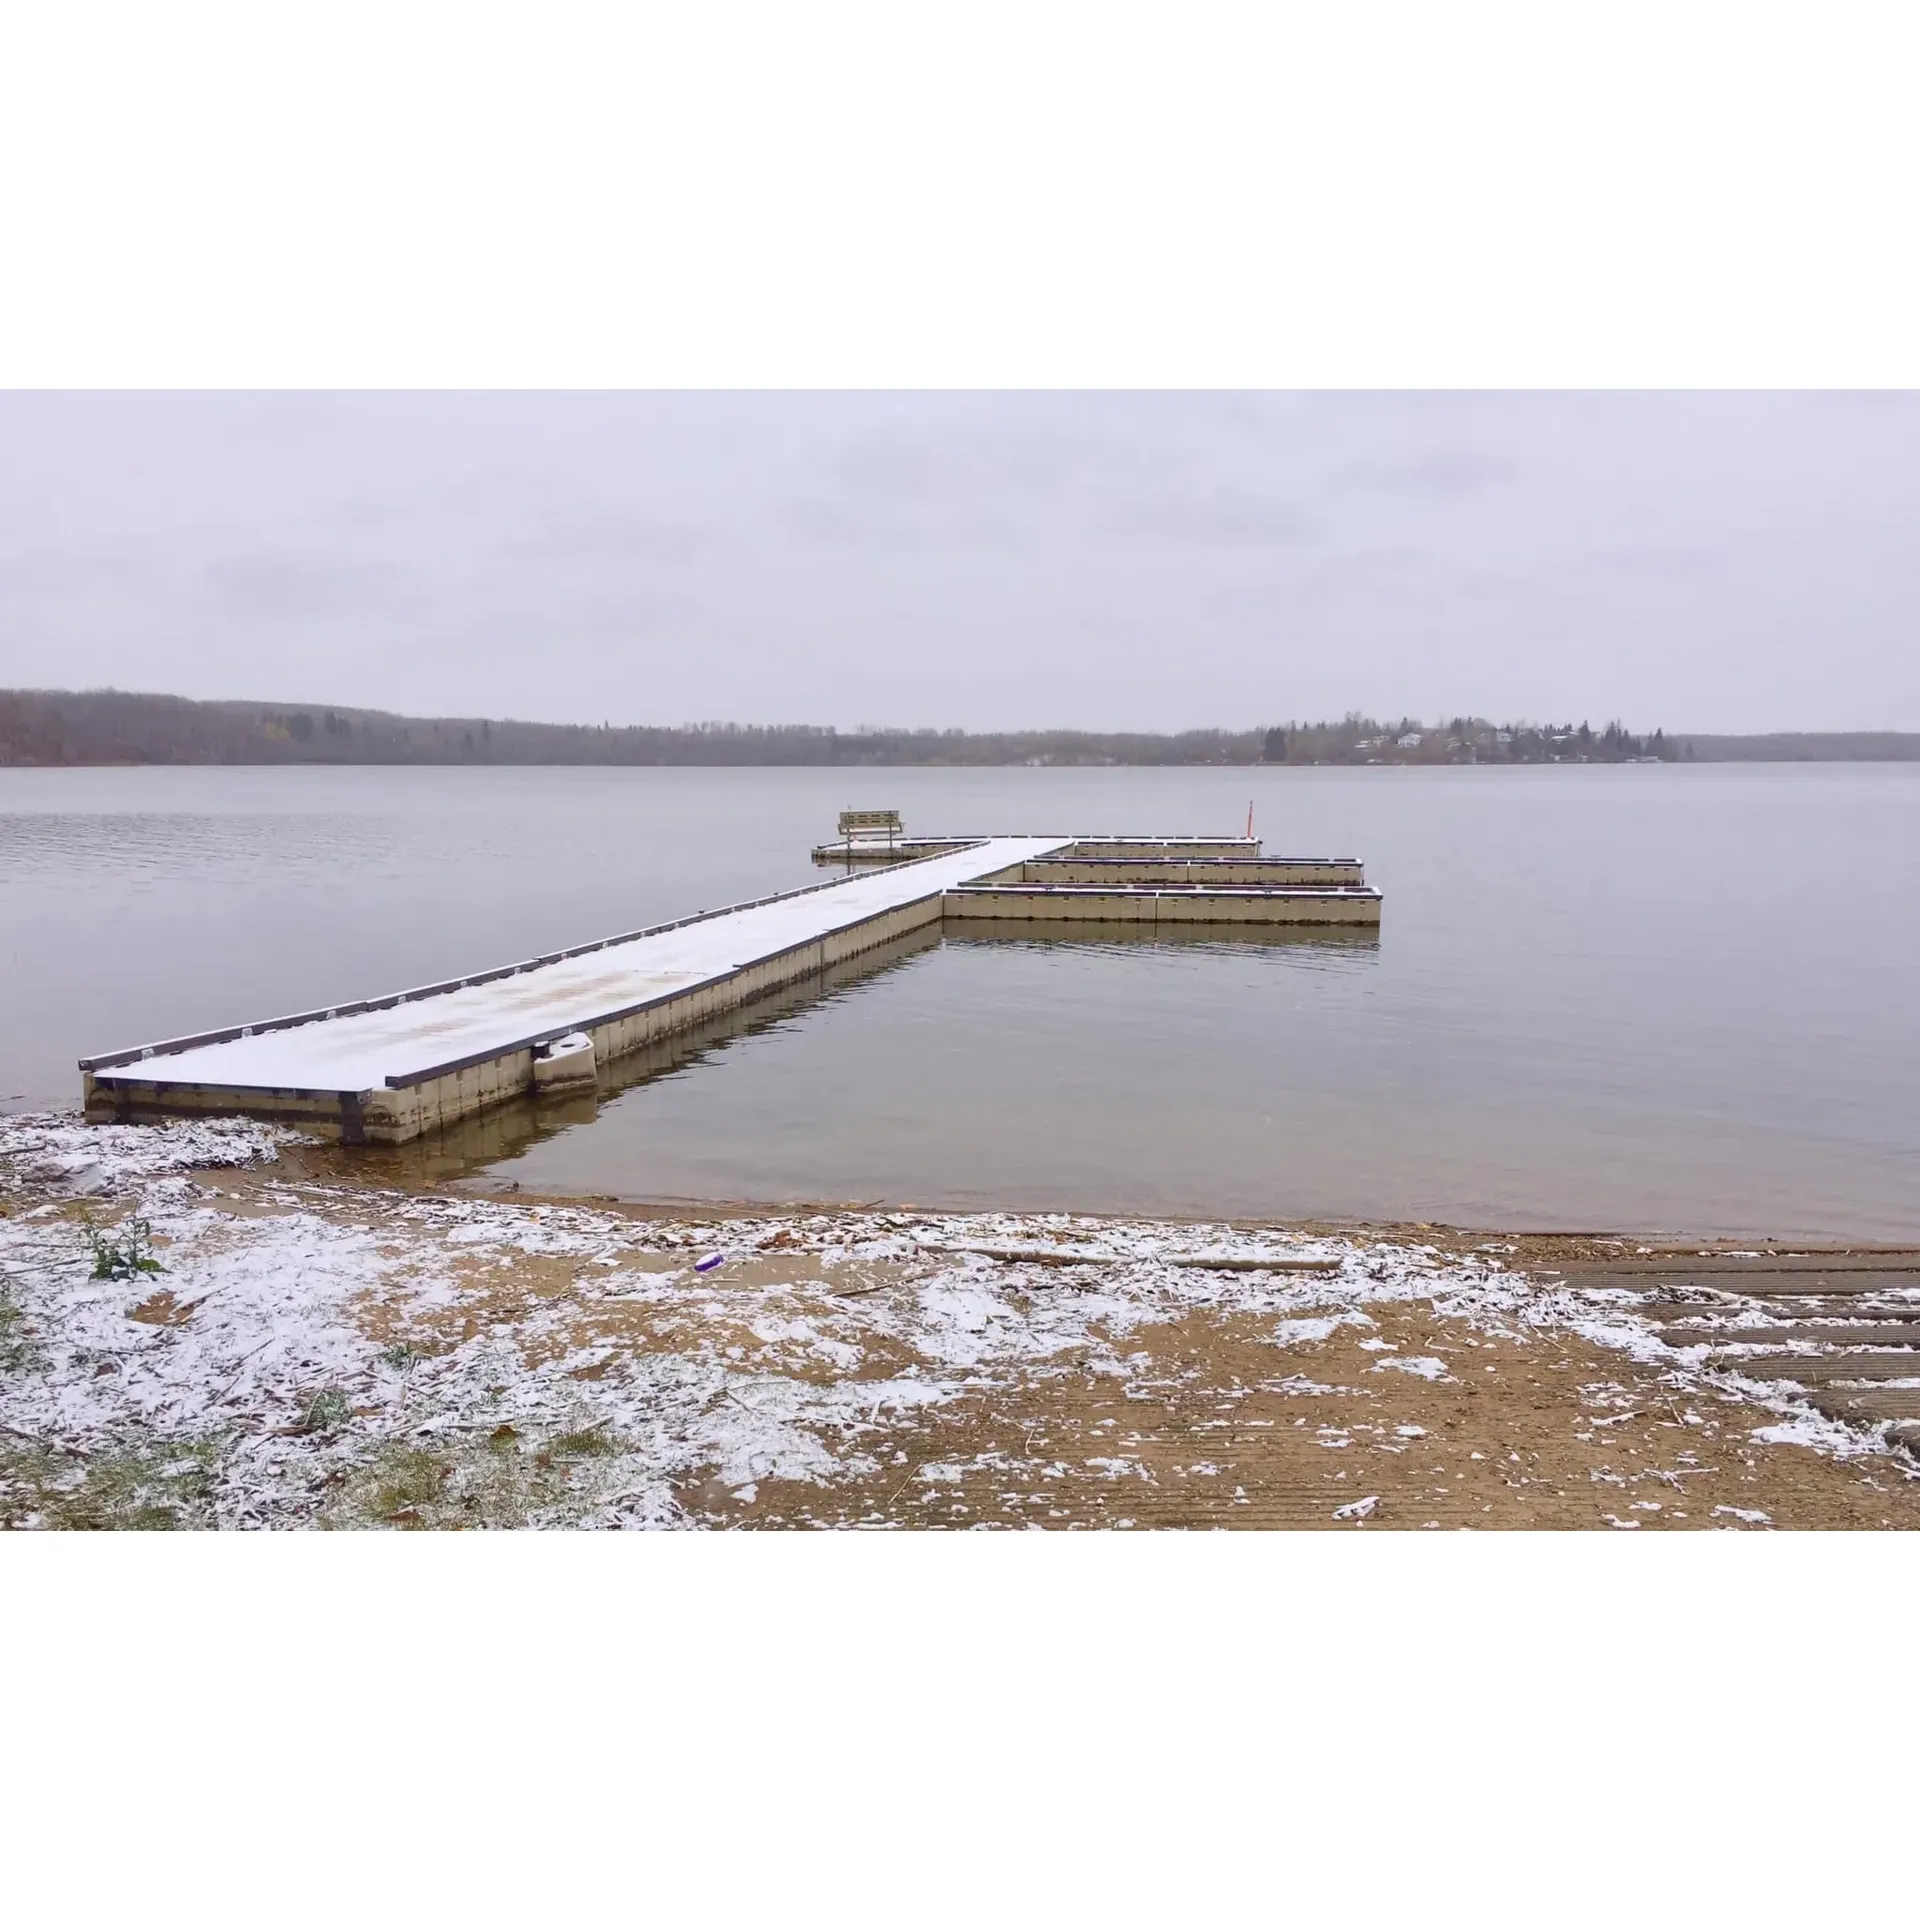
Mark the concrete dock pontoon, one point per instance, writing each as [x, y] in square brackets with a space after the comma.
[388, 1069]
[1195, 905]
[862, 851]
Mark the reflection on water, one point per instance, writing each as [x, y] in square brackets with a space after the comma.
[141, 855]
[1659, 998]
[515, 1133]
[505, 1134]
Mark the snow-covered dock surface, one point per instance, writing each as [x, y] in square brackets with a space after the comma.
[352, 1051]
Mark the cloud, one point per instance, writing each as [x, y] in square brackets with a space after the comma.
[973, 557]
[1000, 472]
[279, 585]
[1636, 564]
[76, 571]
[866, 528]
[1440, 473]
[1894, 402]
[827, 523]
[613, 536]
[1221, 517]
[965, 469]
[1367, 565]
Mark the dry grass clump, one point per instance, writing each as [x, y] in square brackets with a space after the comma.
[155, 1488]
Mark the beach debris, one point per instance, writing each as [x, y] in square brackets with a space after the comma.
[1033, 1256]
[1260, 1262]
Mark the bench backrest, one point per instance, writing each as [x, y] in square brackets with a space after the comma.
[887, 822]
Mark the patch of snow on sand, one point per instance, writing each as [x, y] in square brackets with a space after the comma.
[1294, 1333]
[64, 1155]
[1426, 1365]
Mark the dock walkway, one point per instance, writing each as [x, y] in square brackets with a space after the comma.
[387, 1069]
[390, 1068]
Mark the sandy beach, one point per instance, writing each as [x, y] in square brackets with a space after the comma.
[219, 1324]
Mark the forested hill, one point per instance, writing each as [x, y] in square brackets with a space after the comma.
[108, 728]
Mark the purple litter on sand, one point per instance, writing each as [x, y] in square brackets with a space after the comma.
[709, 1263]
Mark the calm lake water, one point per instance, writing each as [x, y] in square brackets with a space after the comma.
[1677, 998]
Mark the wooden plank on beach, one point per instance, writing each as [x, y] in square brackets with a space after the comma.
[1599, 1272]
[1711, 1311]
[1844, 1333]
[1849, 1250]
[1868, 1403]
[1033, 1256]
[1224, 1262]
[1818, 1369]
[1763, 1282]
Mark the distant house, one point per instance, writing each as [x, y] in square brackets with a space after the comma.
[1409, 740]
[1505, 738]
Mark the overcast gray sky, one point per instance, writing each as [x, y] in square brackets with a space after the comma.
[1709, 562]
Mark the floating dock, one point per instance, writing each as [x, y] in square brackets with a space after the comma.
[389, 1069]
[871, 850]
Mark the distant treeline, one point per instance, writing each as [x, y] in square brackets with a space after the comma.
[108, 728]
[1807, 746]
[1461, 741]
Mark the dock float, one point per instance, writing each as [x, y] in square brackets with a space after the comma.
[385, 1070]
[868, 849]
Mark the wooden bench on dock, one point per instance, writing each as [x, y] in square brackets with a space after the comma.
[873, 824]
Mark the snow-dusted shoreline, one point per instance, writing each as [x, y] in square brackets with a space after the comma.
[324, 1355]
